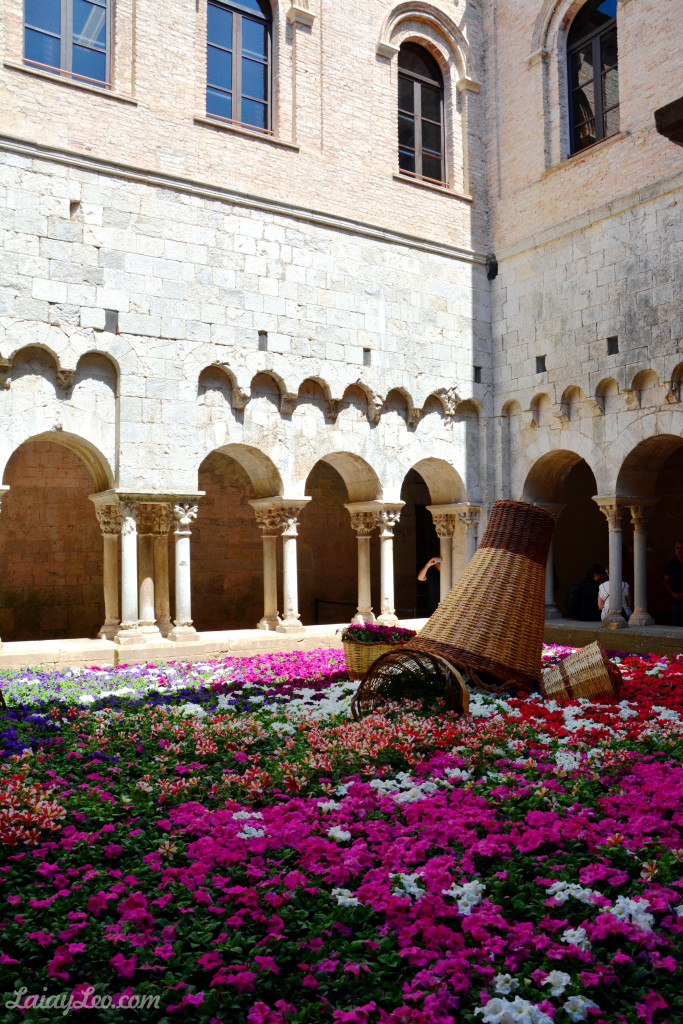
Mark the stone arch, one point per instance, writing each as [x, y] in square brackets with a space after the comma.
[398, 400]
[643, 464]
[509, 424]
[469, 418]
[572, 397]
[417, 12]
[50, 541]
[677, 383]
[262, 472]
[442, 480]
[360, 479]
[606, 394]
[541, 410]
[645, 387]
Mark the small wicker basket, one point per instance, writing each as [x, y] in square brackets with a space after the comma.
[410, 669]
[359, 657]
[585, 673]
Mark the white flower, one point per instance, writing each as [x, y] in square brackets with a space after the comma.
[191, 711]
[249, 832]
[576, 937]
[328, 805]
[468, 896]
[407, 885]
[576, 1007]
[338, 833]
[244, 815]
[559, 981]
[345, 898]
[505, 984]
[633, 911]
[519, 1011]
[86, 698]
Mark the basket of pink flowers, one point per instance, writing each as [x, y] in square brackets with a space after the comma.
[365, 642]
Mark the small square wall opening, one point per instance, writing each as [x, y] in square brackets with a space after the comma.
[263, 341]
[612, 345]
[367, 357]
[477, 374]
[111, 321]
[540, 364]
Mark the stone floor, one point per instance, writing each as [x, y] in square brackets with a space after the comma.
[63, 653]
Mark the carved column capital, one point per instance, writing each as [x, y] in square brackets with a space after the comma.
[640, 510]
[386, 518]
[445, 524]
[129, 517]
[110, 519]
[611, 508]
[268, 521]
[363, 523]
[184, 515]
[162, 520]
[278, 516]
[468, 516]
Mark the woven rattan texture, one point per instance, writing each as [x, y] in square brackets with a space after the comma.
[359, 657]
[373, 690]
[521, 529]
[585, 673]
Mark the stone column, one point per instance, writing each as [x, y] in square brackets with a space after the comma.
[551, 609]
[387, 517]
[109, 518]
[611, 509]
[162, 520]
[146, 603]
[268, 521]
[183, 630]
[129, 633]
[289, 521]
[363, 523]
[468, 517]
[3, 492]
[445, 524]
[640, 514]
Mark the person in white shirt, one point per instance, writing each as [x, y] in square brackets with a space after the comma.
[603, 599]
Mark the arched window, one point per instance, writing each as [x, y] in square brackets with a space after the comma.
[420, 114]
[238, 62]
[593, 74]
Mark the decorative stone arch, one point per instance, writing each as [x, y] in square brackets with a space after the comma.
[546, 476]
[606, 394]
[361, 481]
[238, 398]
[644, 389]
[97, 465]
[570, 404]
[423, 23]
[288, 397]
[541, 410]
[262, 472]
[641, 467]
[443, 481]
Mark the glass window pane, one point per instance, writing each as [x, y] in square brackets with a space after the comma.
[44, 14]
[254, 38]
[219, 26]
[258, 7]
[610, 89]
[219, 103]
[254, 79]
[218, 67]
[584, 135]
[431, 103]
[406, 93]
[582, 67]
[41, 48]
[90, 24]
[253, 113]
[406, 160]
[431, 137]
[416, 59]
[89, 63]
[612, 122]
[592, 16]
[608, 50]
[584, 103]
[431, 168]
[406, 130]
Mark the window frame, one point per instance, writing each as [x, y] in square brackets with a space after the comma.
[595, 39]
[238, 12]
[417, 82]
[66, 45]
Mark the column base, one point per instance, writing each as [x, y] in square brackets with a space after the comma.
[618, 622]
[183, 634]
[552, 612]
[150, 631]
[164, 626]
[291, 626]
[641, 618]
[270, 622]
[126, 637]
[363, 616]
[388, 619]
[109, 631]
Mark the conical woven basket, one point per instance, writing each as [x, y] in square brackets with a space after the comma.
[585, 673]
[491, 622]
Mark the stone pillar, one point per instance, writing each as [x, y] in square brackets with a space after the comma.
[386, 517]
[445, 523]
[640, 514]
[268, 521]
[146, 602]
[468, 517]
[3, 492]
[363, 523]
[551, 609]
[129, 633]
[162, 520]
[109, 518]
[183, 630]
[611, 509]
[289, 520]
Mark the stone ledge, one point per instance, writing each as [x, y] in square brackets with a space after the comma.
[47, 76]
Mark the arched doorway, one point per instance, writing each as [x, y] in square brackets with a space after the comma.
[564, 478]
[51, 550]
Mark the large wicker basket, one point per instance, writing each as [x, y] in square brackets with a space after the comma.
[585, 673]
[410, 670]
[359, 657]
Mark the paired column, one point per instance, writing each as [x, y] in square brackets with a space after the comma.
[363, 523]
[640, 513]
[162, 520]
[291, 623]
[611, 508]
[183, 630]
[445, 523]
[3, 492]
[129, 631]
[268, 521]
[551, 609]
[109, 518]
[280, 516]
[146, 580]
[386, 517]
[468, 517]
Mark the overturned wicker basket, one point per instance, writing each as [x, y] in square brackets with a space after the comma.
[585, 673]
[359, 657]
[412, 675]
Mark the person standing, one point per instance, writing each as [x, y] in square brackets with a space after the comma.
[603, 598]
[431, 573]
[582, 596]
[673, 581]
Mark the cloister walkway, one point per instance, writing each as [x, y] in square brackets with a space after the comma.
[71, 653]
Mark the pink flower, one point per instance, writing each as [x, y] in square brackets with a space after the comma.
[266, 963]
[243, 981]
[209, 960]
[647, 1009]
[124, 968]
[165, 952]
[13, 900]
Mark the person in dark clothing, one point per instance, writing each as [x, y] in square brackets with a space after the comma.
[673, 581]
[582, 596]
[431, 573]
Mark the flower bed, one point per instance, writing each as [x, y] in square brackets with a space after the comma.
[224, 837]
